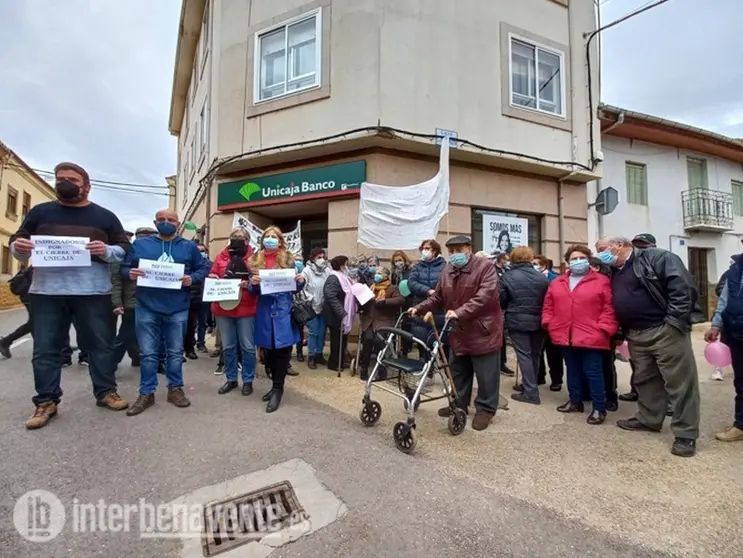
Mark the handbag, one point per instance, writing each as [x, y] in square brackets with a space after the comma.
[302, 311]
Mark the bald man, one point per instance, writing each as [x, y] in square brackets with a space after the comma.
[161, 312]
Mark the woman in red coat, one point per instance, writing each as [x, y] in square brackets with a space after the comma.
[579, 316]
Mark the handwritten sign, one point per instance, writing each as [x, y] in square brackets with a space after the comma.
[60, 251]
[160, 275]
[278, 280]
[216, 290]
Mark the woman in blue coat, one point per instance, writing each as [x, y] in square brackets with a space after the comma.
[422, 281]
[275, 331]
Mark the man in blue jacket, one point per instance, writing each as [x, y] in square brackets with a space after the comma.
[162, 313]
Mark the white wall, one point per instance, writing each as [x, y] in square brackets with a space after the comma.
[663, 216]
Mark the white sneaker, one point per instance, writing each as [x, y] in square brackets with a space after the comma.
[717, 374]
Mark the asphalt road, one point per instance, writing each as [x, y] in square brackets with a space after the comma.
[398, 505]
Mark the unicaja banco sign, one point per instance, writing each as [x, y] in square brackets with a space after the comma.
[319, 182]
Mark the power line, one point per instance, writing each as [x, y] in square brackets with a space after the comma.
[96, 180]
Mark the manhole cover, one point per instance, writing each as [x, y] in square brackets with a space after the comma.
[250, 517]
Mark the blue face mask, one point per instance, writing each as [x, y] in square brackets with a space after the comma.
[579, 267]
[458, 260]
[607, 257]
[204, 255]
[299, 266]
[166, 228]
[270, 243]
[378, 278]
[372, 268]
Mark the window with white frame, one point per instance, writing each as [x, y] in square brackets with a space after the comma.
[737, 188]
[203, 129]
[205, 32]
[637, 183]
[194, 158]
[537, 77]
[288, 57]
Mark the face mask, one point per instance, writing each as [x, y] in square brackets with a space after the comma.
[458, 260]
[537, 268]
[579, 267]
[372, 268]
[238, 246]
[165, 228]
[352, 272]
[320, 262]
[399, 265]
[270, 243]
[67, 191]
[378, 278]
[426, 255]
[299, 266]
[607, 257]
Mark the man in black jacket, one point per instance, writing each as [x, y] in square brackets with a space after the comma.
[654, 297]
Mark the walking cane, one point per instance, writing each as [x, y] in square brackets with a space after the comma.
[340, 349]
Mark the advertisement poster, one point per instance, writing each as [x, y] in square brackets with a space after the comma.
[503, 233]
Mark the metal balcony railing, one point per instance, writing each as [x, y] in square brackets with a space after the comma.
[707, 210]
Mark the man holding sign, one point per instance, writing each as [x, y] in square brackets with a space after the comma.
[71, 242]
[164, 267]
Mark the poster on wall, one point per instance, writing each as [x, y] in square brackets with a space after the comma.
[293, 238]
[503, 233]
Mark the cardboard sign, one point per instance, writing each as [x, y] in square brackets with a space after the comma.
[60, 251]
[160, 275]
[278, 280]
[217, 290]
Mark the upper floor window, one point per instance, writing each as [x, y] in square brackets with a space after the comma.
[288, 57]
[696, 170]
[637, 183]
[203, 129]
[11, 207]
[537, 77]
[26, 204]
[205, 33]
[737, 188]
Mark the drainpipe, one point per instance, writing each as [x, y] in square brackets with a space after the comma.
[561, 211]
[599, 182]
[207, 225]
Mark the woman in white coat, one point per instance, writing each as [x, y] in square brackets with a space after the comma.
[316, 273]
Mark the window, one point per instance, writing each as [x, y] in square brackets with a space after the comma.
[697, 172]
[11, 208]
[288, 58]
[194, 82]
[203, 130]
[737, 187]
[205, 33]
[7, 268]
[637, 183]
[185, 169]
[194, 158]
[537, 78]
[26, 204]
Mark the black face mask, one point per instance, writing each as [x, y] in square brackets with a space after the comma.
[68, 191]
[238, 247]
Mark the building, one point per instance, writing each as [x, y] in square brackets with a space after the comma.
[682, 184]
[20, 189]
[283, 108]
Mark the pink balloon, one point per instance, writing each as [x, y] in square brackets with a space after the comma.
[718, 354]
[623, 350]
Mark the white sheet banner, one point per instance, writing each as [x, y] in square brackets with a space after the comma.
[503, 233]
[400, 217]
[217, 290]
[278, 280]
[293, 237]
[60, 251]
[160, 275]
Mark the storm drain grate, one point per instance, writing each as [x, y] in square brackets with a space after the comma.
[250, 517]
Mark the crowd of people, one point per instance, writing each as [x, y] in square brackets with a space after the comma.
[567, 325]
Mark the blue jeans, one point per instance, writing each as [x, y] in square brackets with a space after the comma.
[52, 316]
[316, 342]
[586, 365]
[154, 329]
[236, 331]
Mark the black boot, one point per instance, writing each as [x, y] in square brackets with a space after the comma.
[321, 360]
[274, 401]
[300, 353]
[5, 347]
[227, 387]
[267, 396]
[311, 363]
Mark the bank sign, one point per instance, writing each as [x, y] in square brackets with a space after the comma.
[320, 182]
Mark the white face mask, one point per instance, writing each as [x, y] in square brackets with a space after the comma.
[320, 262]
[537, 267]
[426, 255]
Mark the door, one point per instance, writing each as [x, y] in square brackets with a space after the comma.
[314, 233]
[698, 270]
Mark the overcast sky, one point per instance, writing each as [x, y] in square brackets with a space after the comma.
[90, 81]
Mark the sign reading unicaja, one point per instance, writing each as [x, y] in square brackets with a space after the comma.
[319, 182]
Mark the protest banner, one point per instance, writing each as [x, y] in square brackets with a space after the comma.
[217, 290]
[293, 238]
[278, 280]
[60, 251]
[161, 275]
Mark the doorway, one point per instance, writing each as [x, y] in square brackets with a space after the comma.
[698, 258]
[314, 232]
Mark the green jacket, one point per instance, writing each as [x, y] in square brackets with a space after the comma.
[123, 288]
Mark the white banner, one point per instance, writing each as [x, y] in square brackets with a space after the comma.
[293, 238]
[216, 290]
[503, 233]
[160, 275]
[60, 251]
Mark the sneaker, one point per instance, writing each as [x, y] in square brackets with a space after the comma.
[635, 425]
[220, 370]
[191, 355]
[66, 363]
[142, 403]
[684, 447]
[5, 348]
[201, 348]
[482, 420]
[717, 374]
[506, 371]
[521, 397]
[113, 401]
[177, 397]
[83, 361]
[732, 434]
[43, 413]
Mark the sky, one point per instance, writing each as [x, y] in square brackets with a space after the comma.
[90, 81]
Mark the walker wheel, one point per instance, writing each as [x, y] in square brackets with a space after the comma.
[457, 422]
[370, 413]
[404, 437]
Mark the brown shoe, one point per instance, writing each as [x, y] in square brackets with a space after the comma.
[41, 415]
[177, 397]
[482, 420]
[142, 403]
[113, 401]
[732, 434]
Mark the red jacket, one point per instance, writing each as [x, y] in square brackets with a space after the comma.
[583, 317]
[248, 302]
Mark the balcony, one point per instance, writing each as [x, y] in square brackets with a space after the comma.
[707, 210]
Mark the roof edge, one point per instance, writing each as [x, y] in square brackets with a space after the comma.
[189, 29]
[27, 168]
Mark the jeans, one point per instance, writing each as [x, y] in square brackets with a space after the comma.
[316, 341]
[586, 364]
[126, 340]
[237, 331]
[51, 327]
[154, 329]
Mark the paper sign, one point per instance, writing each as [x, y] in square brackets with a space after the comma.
[60, 251]
[362, 293]
[278, 280]
[160, 275]
[216, 290]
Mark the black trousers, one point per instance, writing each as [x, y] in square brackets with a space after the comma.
[610, 376]
[189, 341]
[20, 331]
[126, 339]
[554, 361]
[338, 348]
[277, 360]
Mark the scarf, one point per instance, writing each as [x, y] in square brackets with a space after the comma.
[380, 289]
[349, 304]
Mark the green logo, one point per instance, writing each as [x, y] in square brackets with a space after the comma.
[248, 189]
